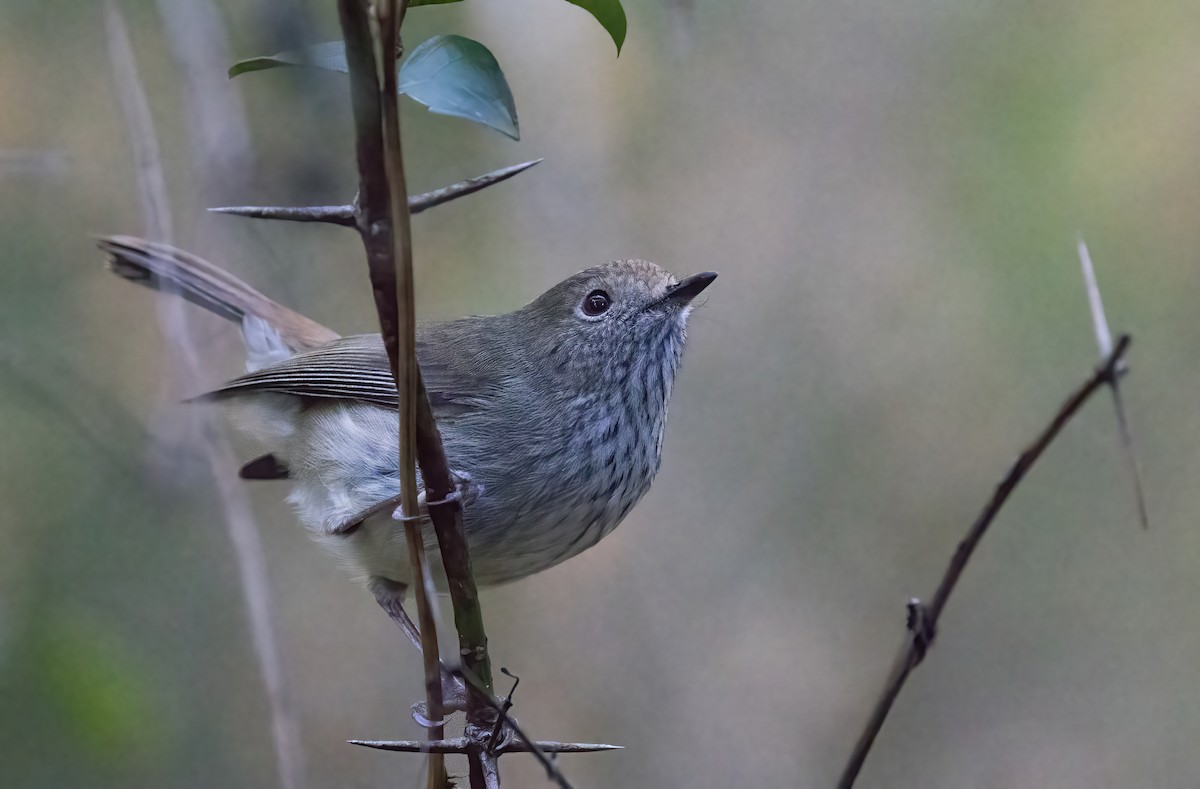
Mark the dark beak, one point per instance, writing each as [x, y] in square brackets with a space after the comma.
[683, 292]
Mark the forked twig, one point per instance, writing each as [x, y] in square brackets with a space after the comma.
[479, 744]
[923, 619]
[1104, 343]
[476, 690]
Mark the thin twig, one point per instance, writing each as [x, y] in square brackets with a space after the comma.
[1104, 342]
[344, 215]
[923, 619]
[390, 13]
[239, 520]
[1131, 459]
[494, 740]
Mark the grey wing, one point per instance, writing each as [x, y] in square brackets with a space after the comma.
[356, 368]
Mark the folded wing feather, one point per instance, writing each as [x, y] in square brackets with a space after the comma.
[356, 368]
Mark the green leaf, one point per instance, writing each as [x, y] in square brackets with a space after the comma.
[450, 75]
[453, 75]
[608, 13]
[330, 55]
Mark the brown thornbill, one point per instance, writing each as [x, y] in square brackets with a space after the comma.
[552, 415]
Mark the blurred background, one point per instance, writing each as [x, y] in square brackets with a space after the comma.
[891, 193]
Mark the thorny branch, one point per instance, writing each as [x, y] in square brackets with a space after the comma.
[488, 747]
[383, 223]
[389, 16]
[923, 618]
[381, 214]
[539, 753]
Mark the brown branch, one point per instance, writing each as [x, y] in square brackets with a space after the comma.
[383, 223]
[345, 215]
[923, 619]
[390, 13]
[382, 218]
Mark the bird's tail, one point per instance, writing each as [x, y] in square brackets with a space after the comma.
[166, 268]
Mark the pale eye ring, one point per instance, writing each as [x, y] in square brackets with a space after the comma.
[596, 303]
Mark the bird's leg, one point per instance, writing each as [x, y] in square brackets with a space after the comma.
[466, 493]
[354, 521]
[390, 596]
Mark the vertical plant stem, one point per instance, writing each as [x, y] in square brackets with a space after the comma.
[239, 519]
[407, 373]
[384, 225]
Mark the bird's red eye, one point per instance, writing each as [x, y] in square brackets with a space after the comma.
[596, 303]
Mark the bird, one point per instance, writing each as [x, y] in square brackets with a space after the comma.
[552, 415]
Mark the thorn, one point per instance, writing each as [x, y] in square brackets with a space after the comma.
[454, 745]
[1099, 322]
[551, 747]
[461, 744]
[332, 214]
[1105, 343]
[418, 203]
[345, 215]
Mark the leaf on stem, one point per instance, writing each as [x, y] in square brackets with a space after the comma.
[451, 75]
[609, 14]
[454, 75]
[329, 55]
